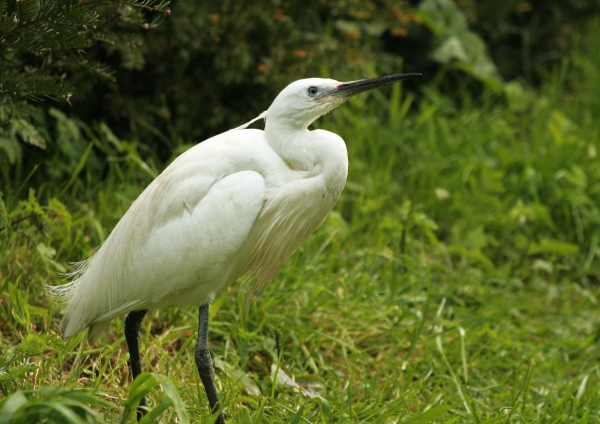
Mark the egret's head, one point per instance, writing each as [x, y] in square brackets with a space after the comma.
[303, 101]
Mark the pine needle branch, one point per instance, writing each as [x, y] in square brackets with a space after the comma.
[35, 88]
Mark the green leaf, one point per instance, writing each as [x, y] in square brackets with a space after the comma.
[557, 247]
[47, 254]
[519, 98]
[34, 343]
[51, 404]
[154, 414]
[428, 416]
[20, 310]
[78, 168]
[240, 376]
[10, 405]
[298, 415]
[142, 385]
[311, 385]
[65, 412]
[4, 221]
[244, 417]
[28, 132]
[456, 44]
[11, 148]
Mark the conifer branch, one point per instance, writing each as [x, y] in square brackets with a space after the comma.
[43, 45]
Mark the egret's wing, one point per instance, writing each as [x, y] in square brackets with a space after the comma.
[201, 246]
[181, 234]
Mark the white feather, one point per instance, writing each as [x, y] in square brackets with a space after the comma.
[236, 205]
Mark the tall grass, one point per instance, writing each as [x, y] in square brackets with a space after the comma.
[455, 281]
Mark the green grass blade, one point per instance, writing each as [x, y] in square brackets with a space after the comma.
[427, 416]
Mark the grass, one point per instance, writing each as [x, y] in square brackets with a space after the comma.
[455, 281]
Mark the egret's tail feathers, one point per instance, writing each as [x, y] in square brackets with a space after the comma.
[73, 323]
[64, 293]
[79, 268]
[60, 294]
[97, 329]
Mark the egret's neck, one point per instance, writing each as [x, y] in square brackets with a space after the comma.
[294, 144]
[316, 152]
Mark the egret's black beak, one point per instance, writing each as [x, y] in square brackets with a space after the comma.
[347, 89]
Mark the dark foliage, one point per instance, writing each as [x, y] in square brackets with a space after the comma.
[210, 66]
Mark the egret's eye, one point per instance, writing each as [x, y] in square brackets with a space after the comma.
[312, 91]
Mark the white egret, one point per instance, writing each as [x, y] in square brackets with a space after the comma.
[238, 204]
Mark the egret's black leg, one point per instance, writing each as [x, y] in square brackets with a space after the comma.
[132, 332]
[205, 364]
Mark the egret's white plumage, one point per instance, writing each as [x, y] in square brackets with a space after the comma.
[238, 204]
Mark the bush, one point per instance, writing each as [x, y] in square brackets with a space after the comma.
[43, 45]
[527, 38]
[211, 66]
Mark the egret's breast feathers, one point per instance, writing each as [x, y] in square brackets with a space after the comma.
[290, 215]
